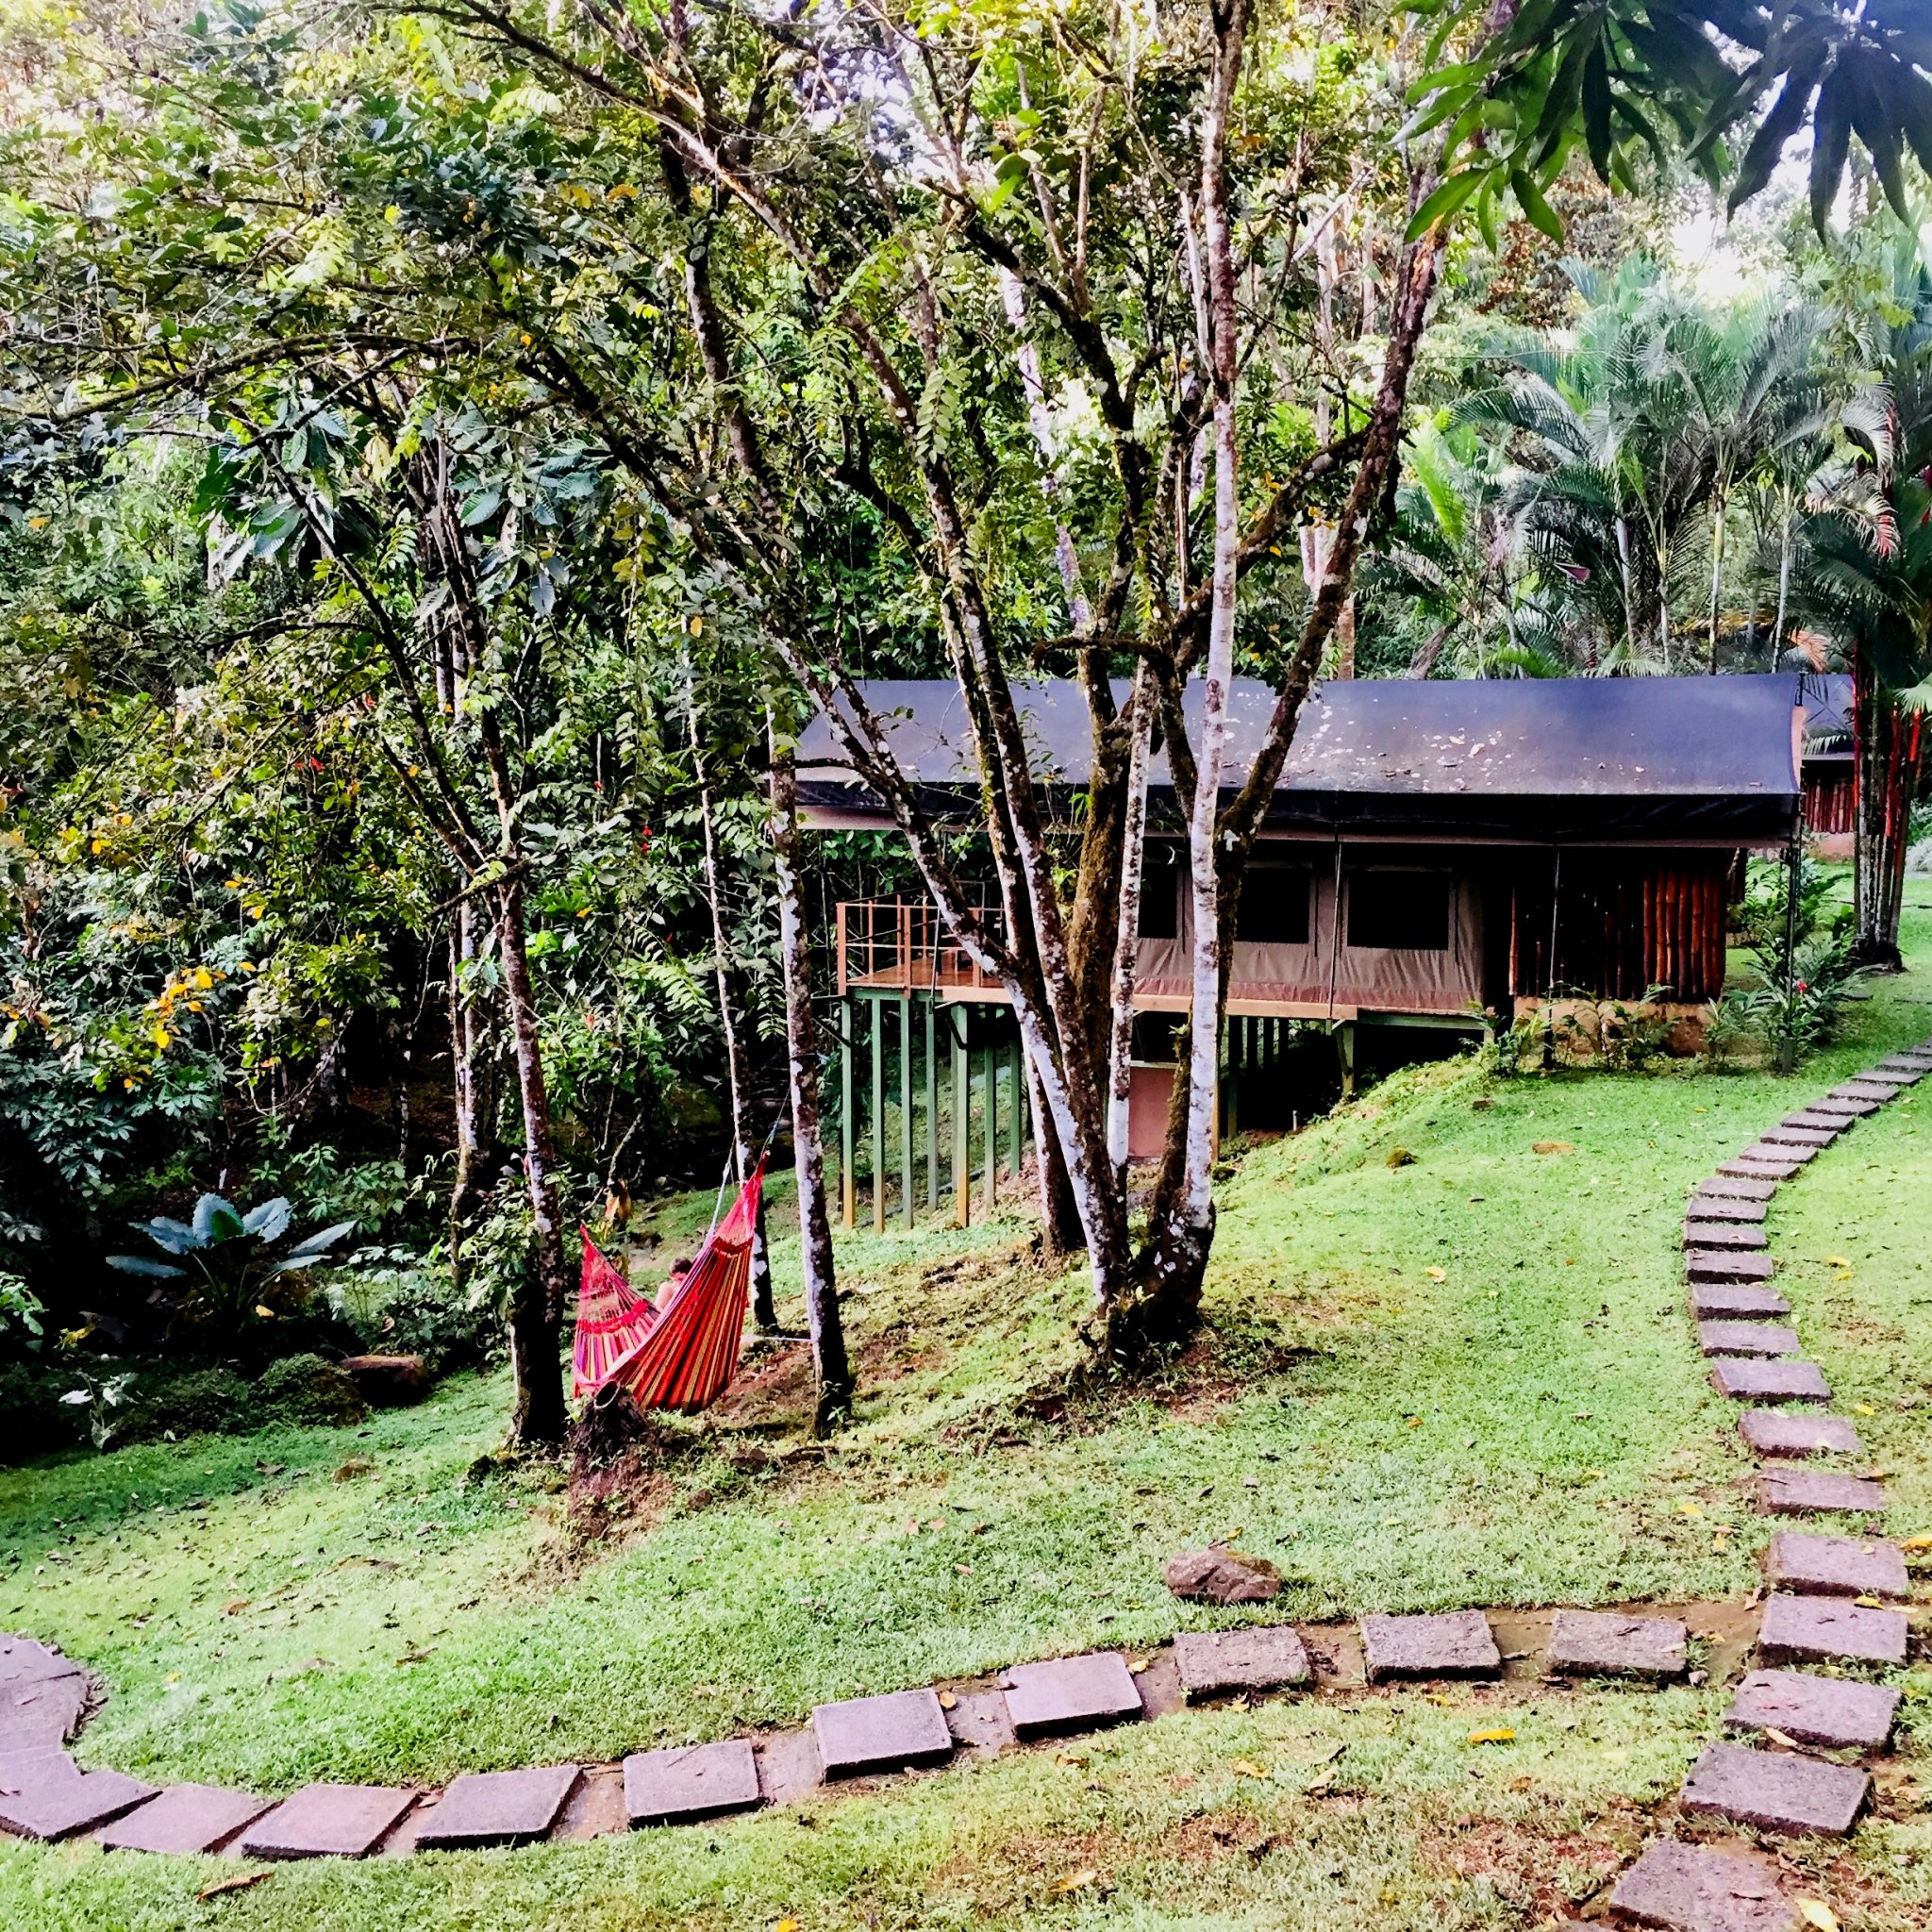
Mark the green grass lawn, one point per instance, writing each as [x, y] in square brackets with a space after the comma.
[1463, 1379]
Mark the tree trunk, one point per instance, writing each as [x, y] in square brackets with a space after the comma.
[536, 1303]
[763, 1312]
[1133, 871]
[830, 1363]
[1060, 1232]
[474, 1083]
[1889, 753]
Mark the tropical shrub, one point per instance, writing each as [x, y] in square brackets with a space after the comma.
[233, 1283]
[1804, 951]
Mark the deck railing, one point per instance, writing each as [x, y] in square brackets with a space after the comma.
[902, 945]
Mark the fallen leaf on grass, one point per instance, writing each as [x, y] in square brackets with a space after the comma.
[1437, 1274]
[1916, 1542]
[235, 1606]
[947, 1701]
[785, 1925]
[1246, 1767]
[1868, 1603]
[1073, 1881]
[1502, 1734]
[1816, 1913]
[1554, 1146]
[241, 1884]
[1075, 1759]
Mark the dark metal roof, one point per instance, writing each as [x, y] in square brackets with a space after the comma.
[1615, 757]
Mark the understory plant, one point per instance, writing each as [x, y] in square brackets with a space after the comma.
[1805, 955]
[227, 1283]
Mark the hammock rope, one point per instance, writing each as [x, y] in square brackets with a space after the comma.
[688, 1351]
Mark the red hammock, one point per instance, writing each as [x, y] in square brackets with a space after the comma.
[612, 1318]
[690, 1352]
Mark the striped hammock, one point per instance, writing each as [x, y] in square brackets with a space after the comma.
[612, 1318]
[690, 1352]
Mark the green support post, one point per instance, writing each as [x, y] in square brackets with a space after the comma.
[908, 1196]
[990, 1124]
[879, 1115]
[932, 1103]
[962, 1109]
[1232, 1081]
[848, 1137]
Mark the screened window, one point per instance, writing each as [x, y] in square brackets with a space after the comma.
[1273, 910]
[1401, 910]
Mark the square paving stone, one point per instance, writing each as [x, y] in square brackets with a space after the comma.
[980, 1721]
[1456, 1644]
[1733, 1236]
[1703, 1206]
[1876, 1088]
[1848, 1106]
[691, 1781]
[1759, 1167]
[1712, 1264]
[1774, 1791]
[872, 1734]
[499, 1808]
[57, 1805]
[1214, 1663]
[1809, 1117]
[24, 1661]
[328, 1821]
[1746, 1338]
[1831, 1711]
[1770, 1382]
[1597, 1643]
[185, 1819]
[1701, 1889]
[1736, 1186]
[1789, 1153]
[30, 1736]
[1785, 1135]
[1824, 1629]
[1072, 1693]
[1718, 1301]
[1772, 1433]
[59, 1701]
[24, 1769]
[1836, 1565]
[1801, 1492]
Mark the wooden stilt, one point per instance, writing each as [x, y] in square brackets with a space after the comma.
[1230, 1052]
[962, 1110]
[932, 1103]
[879, 1115]
[908, 1196]
[848, 1178]
[1015, 1140]
[1345, 1040]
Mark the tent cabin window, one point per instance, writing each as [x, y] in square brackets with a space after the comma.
[1160, 889]
[1399, 910]
[1273, 909]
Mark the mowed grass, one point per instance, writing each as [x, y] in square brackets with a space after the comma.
[1466, 1378]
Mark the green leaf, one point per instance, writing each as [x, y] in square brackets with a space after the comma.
[1597, 109]
[1777, 128]
[216, 1221]
[1533, 206]
[1832, 141]
[142, 1265]
[270, 1220]
[481, 507]
[1442, 205]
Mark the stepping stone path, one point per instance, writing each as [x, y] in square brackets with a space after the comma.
[1718, 1301]
[1772, 1432]
[1688, 1888]
[1836, 1565]
[1783, 1380]
[1803, 1491]
[1593, 1643]
[1832, 1711]
[1821, 1610]
[498, 1808]
[1822, 1629]
[327, 1821]
[1808, 1620]
[1746, 1338]
[1215, 1663]
[1710, 1264]
[902, 1729]
[1456, 1644]
[690, 1782]
[1072, 1693]
[184, 1819]
[1775, 1790]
